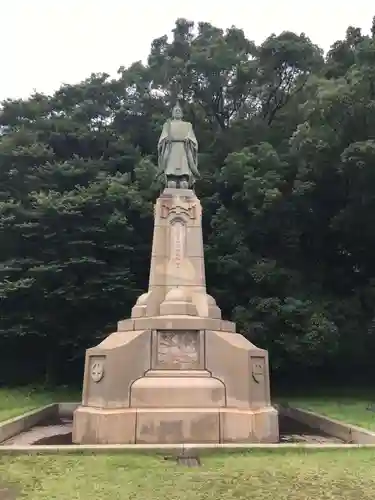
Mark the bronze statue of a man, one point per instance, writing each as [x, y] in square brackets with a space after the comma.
[178, 152]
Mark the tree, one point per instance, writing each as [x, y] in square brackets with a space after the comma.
[286, 155]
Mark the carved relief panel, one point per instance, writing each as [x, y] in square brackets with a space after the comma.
[178, 350]
[178, 206]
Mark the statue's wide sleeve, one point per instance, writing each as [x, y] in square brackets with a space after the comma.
[192, 151]
[164, 134]
[161, 147]
[191, 136]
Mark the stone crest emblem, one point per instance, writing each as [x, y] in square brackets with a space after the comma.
[97, 370]
[258, 370]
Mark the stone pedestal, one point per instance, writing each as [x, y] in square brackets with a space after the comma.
[175, 372]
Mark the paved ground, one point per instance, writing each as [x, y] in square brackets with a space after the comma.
[60, 434]
[308, 438]
[56, 434]
[292, 431]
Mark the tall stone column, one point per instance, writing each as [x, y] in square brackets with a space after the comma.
[177, 276]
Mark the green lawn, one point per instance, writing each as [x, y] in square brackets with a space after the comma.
[14, 402]
[297, 474]
[349, 406]
[345, 474]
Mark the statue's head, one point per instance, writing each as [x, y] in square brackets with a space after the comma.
[177, 112]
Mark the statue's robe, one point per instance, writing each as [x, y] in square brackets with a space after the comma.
[178, 149]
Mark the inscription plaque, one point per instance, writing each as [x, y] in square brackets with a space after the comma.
[178, 350]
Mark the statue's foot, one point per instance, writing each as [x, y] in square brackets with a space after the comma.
[171, 184]
[184, 185]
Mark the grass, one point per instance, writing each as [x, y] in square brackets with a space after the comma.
[293, 475]
[350, 406]
[14, 402]
[347, 405]
[345, 474]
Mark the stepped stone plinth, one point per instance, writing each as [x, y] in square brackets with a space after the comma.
[176, 372]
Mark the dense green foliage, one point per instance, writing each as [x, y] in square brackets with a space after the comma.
[287, 157]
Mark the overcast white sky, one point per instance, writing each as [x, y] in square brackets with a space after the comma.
[49, 42]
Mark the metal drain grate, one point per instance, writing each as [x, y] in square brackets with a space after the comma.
[7, 493]
[188, 460]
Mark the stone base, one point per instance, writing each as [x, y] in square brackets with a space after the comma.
[178, 389]
[174, 425]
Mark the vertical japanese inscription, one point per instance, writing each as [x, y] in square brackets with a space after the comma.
[178, 235]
